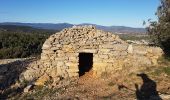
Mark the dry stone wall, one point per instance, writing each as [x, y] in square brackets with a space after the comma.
[60, 53]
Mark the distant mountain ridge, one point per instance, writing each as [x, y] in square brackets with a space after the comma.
[24, 29]
[50, 26]
[60, 26]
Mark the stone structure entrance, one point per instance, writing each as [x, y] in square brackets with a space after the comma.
[85, 63]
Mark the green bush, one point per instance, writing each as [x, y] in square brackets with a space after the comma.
[167, 70]
[20, 43]
[159, 71]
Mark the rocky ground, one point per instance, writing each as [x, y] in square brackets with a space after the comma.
[123, 85]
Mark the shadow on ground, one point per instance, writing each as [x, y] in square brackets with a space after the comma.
[9, 75]
[147, 91]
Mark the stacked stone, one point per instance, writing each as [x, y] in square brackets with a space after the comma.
[60, 53]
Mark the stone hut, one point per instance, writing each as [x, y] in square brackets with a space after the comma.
[80, 49]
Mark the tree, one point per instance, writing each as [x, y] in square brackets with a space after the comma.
[159, 31]
[21, 41]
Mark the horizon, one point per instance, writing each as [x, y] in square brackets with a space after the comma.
[106, 13]
[68, 23]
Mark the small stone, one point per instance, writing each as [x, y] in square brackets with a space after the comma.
[28, 88]
[59, 64]
[130, 49]
[46, 45]
[104, 56]
[73, 59]
[42, 80]
[165, 96]
[88, 50]
[72, 64]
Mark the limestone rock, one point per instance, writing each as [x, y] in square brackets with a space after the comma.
[130, 49]
[165, 96]
[28, 88]
[42, 80]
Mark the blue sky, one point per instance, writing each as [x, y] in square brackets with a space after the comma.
[102, 12]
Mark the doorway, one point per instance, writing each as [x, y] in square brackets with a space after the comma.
[85, 63]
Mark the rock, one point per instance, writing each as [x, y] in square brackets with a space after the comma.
[130, 49]
[59, 64]
[73, 74]
[73, 70]
[46, 45]
[105, 50]
[28, 88]
[44, 57]
[53, 72]
[42, 80]
[154, 62]
[99, 65]
[104, 56]
[55, 81]
[157, 50]
[72, 64]
[165, 96]
[73, 59]
[88, 50]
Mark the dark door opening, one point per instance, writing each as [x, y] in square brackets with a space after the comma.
[85, 63]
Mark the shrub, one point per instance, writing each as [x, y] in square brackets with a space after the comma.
[19, 43]
[160, 31]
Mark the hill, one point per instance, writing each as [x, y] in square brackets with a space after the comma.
[119, 29]
[49, 26]
[60, 26]
[24, 29]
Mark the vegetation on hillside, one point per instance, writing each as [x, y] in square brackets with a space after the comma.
[134, 36]
[21, 41]
[160, 31]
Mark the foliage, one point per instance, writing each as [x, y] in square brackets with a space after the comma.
[134, 36]
[160, 31]
[21, 41]
[164, 67]
[167, 70]
[161, 70]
